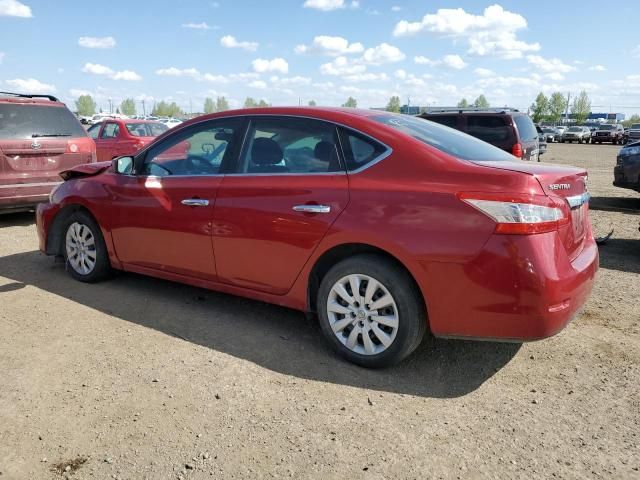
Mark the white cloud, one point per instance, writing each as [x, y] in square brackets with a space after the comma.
[13, 8]
[422, 60]
[97, 42]
[396, 8]
[290, 81]
[30, 85]
[213, 78]
[366, 77]
[97, 69]
[325, 5]
[331, 46]
[598, 68]
[259, 84]
[229, 41]
[1, 57]
[198, 26]
[454, 61]
[549, 65]
[328, 5]
[383, 53]
[491, 34]
[262, 65]
[342, 66]
[401, 74]
[483, 72]
[178, 72]
[555, 76]
[77, 92]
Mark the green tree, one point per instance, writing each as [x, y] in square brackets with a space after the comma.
[221, 104]
[85, 105]
[463, 103]
[164, 109]
[557, 106]
[481, 102]
[250, 103]
[312, 103]
[635, 118]
[540, 108]
[128, 107]
[262, 104]
[581, 107]
[209, 106]
[350, 103]
[394, 104]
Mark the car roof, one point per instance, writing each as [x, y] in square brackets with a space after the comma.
[31, 101]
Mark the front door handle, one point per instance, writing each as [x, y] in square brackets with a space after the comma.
[195, 202]
[312, 208]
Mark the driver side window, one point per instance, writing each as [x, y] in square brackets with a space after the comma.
[199, 150]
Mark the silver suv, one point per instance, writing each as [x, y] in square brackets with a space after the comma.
[577, 134]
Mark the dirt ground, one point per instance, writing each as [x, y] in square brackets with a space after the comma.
[137, 378]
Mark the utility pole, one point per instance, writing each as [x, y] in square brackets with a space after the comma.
[144, 110]
[110, 107]
[566, 111]
[190, 108]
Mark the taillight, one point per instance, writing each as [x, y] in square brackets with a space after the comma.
[517, 214]
[516, 151]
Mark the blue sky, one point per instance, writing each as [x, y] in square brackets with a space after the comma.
[434, 52]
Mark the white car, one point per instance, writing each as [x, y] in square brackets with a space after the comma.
[172, 122]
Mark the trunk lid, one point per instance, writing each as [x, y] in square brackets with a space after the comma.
[561, 182]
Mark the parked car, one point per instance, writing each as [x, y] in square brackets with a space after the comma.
[576, 134]
[609, 133]
[383, 224]
[507, 129]
[633, 134]
[172, 122]
[39, 137]
[542, 140]
[626, 173]
[115, 137]
[551, 134]
[560, 129]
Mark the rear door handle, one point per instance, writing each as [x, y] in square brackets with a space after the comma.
[195, 202]
[312, 208]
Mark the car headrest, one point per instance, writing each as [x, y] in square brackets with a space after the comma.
[324, 151]
[265, 151]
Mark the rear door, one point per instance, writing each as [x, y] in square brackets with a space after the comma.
[37, 142]
[107, 141]
[286, 191]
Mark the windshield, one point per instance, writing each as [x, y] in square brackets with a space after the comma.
[146, 129]
[575, 129]
[548, 130]
[444, 138]
[37, 121]
[635, 126]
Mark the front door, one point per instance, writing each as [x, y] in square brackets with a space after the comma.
[163, 213]
[287, 189]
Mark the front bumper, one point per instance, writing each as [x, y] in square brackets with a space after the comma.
[519, 288]
[45, 213]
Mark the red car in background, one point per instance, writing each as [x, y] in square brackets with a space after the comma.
[117, 137]
[384, 225]
[39, 138]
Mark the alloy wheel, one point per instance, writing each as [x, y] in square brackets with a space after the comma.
[80, 247]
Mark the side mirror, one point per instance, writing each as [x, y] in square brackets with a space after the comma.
[123, 165]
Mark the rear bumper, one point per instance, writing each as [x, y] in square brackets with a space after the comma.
[23, 196]
[519, 288]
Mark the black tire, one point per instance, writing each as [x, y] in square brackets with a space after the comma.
[102, 268]
[412, 320]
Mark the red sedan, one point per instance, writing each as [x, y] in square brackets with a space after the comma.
[384, 225]
[117, 137]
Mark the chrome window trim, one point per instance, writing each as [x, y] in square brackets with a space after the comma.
[576, 201]
[388, 150]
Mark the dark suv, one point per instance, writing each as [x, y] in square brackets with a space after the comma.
[608, 133]
[505, 128]
[39, 137]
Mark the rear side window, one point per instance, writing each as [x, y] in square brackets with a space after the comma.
[445, 139]
[526, 128]
[37, 121]
[359, 150]
[490, 128]
[110, 130]
[446, 120]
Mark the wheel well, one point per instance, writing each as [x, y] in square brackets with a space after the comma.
[336, 254]
[54, 240]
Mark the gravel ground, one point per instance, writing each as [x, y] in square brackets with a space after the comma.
[138, 378]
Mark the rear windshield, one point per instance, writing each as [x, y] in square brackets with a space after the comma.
[35, 121]
[444, 138]
[146, 129]
[526, 128]
[635, 126]
[490, 128]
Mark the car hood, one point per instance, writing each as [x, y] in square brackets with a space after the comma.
[85, 170]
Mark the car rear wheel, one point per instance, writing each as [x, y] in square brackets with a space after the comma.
[370, 311]
[84, 250]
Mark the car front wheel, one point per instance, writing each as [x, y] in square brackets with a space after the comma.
[84, 250]
[370, 311]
